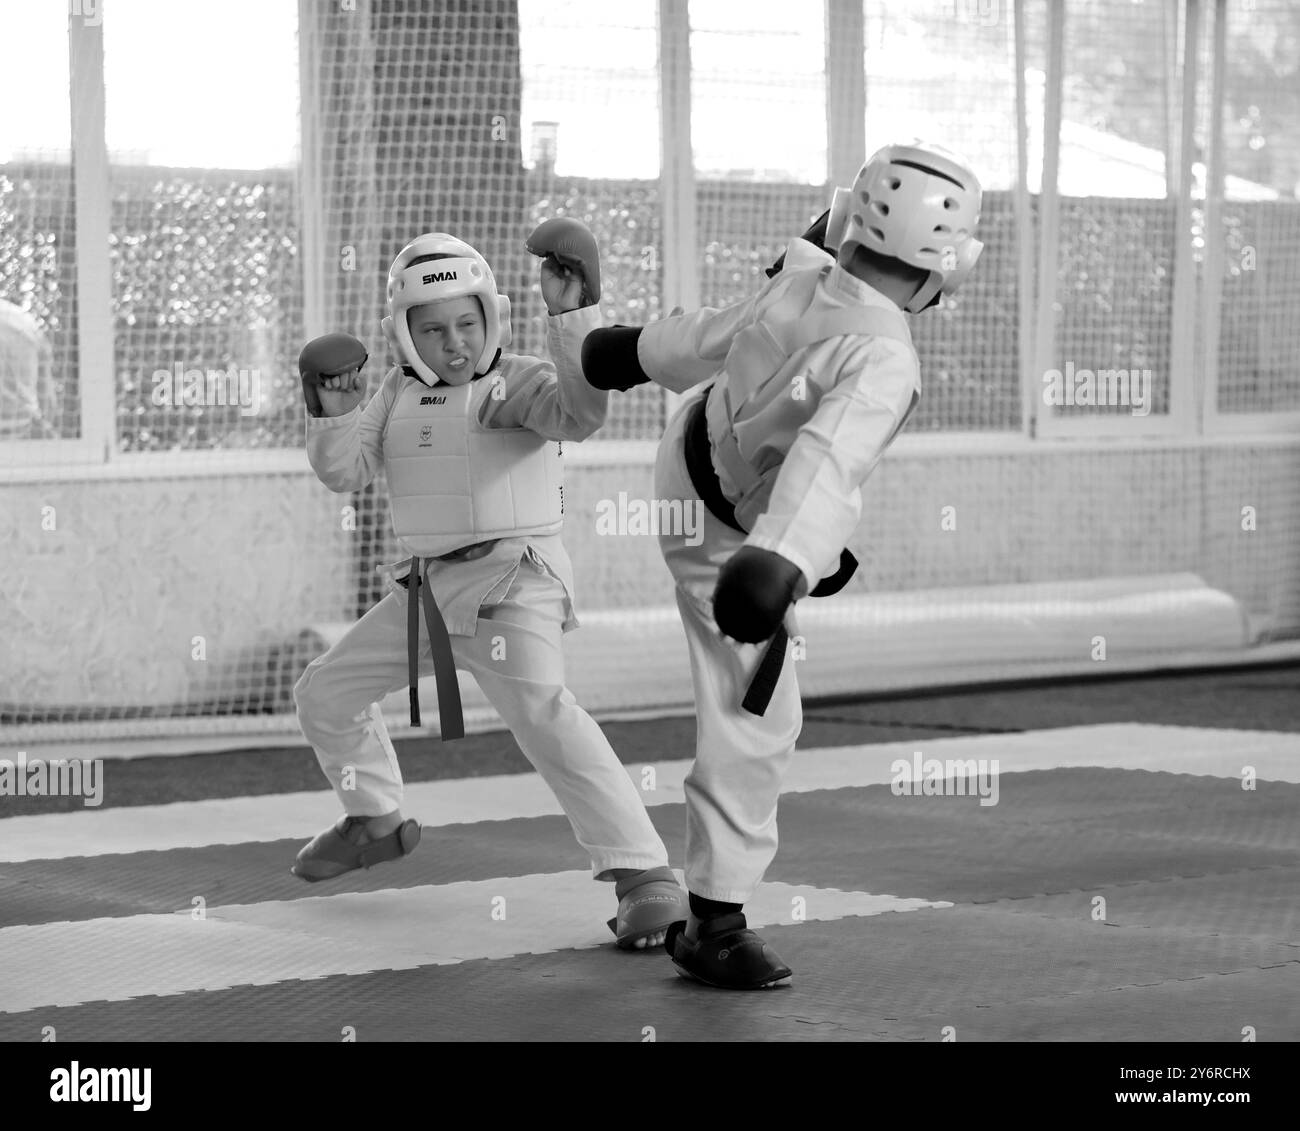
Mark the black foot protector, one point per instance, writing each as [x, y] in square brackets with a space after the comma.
[609, 359]
[727, 956]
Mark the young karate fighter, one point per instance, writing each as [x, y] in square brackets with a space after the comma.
[468, 437]
[811, 380]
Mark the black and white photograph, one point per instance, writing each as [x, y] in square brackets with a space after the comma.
[734, 522]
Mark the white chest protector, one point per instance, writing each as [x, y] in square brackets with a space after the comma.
[452, 482]
[787, 322]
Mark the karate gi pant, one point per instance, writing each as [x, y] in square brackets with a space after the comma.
[740, 759]
[517, 660]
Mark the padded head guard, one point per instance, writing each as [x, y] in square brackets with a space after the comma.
[414, 284]
[918, 203]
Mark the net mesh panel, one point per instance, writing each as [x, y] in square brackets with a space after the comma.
[944, 70]
[175, 581]
[39, 387]
[590, 129]
[1259, 334]
[1259, 341]
[1115, 260]
[205, 243]
[758, 136]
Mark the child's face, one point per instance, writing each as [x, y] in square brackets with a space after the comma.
[449, 337]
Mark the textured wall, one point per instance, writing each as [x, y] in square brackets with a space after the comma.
[102, 610]
[1053, 515]
[105, 607]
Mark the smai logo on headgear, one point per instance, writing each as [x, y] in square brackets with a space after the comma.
[439, 277]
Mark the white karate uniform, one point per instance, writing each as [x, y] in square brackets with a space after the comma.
[506, 604]
[814, 455]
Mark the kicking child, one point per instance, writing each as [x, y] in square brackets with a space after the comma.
[810, 381]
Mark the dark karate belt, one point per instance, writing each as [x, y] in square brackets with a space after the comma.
[451, 722]
[704, 478]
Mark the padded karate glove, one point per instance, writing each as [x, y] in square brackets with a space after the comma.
[571, 267]
[755, 590]
[330, 355]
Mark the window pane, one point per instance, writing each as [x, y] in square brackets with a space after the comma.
[207, 285]
[38, 376]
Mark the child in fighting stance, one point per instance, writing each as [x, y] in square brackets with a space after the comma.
[468, 437]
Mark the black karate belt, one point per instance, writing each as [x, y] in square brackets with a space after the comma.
[704, 478]
[451, 722]
[763, 683]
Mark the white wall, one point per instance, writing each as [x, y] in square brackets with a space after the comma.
[103, 611]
